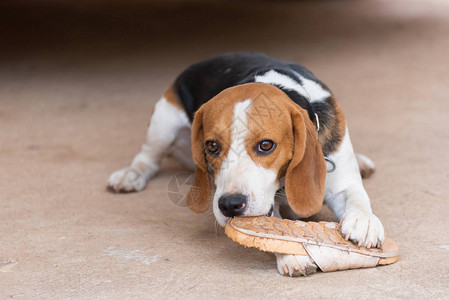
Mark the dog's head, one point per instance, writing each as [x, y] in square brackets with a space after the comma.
[249, 137]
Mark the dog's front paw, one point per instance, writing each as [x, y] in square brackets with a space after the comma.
[126, 180]
[295, 265]
[363, 228]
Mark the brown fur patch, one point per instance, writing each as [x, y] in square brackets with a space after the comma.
[340, 123]
[332, 127]
[199, 194]
[172, 97]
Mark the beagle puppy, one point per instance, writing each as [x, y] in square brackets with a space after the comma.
[262, 136]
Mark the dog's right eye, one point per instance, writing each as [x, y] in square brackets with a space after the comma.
[213, 147]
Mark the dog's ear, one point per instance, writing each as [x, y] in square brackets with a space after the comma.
[306, 173]
[199, 194]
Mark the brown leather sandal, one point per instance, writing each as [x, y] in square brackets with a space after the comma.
[321, 241]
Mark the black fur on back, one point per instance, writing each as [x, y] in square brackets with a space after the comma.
[204, 80]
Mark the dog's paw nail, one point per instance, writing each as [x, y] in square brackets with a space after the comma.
[379, 244]
[347, 236]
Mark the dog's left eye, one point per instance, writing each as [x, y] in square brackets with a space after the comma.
[265, 146]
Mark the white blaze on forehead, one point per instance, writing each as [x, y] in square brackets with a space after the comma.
[239, 130]
[237, 152]
[239, 174]
[307, 88]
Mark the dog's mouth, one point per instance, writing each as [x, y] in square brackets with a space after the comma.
[269, 214]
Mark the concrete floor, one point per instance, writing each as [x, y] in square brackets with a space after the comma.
[77, 85]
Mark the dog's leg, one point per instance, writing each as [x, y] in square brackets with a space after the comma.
[347, 198]
[166, 122]
[295, 265]
[181, 150]
[290, 265]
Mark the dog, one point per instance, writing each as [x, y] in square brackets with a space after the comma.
[264, 137]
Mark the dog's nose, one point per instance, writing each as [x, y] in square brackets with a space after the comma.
[232, 205]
